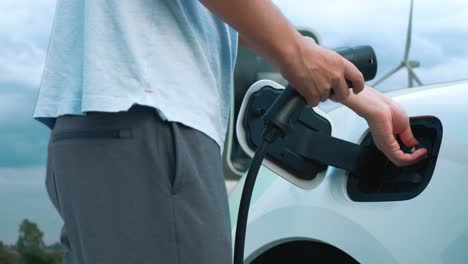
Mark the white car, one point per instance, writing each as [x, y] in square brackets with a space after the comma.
[416, 215]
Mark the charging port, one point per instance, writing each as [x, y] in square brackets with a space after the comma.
[391, 183]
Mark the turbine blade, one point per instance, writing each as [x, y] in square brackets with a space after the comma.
[410, 78]
[409, 32]
[415, 77]
[390, 73]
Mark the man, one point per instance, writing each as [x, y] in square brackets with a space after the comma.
[136, 93]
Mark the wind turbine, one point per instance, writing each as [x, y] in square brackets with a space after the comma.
[406, 63]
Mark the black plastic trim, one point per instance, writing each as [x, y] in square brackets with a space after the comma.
[281, 152]
[93, 134]
[391, 183]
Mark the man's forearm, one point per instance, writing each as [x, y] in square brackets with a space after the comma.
[366, 103]
[358, 103]
[313, 70]
[261, 26]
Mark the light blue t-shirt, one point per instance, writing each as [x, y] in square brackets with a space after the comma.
[106, 55]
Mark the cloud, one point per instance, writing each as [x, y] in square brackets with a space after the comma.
[24, 30]
[23, 139]
[451, 70]
[24, 34]
[25, 26]
[22, 177]
[23, 63]
[438, 28]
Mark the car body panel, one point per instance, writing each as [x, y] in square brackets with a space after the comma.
[430, 228]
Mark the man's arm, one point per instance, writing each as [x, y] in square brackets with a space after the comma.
[314, 71]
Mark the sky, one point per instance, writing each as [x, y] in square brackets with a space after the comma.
[439, 42]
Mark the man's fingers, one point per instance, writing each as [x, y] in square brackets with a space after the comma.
[407, 137]
[354, 76]
[312, 97]
[399, 158]
[341, 90]
[392, 150]
[324, 94]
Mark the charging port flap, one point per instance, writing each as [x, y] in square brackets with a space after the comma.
[391, 183]
[281, 156]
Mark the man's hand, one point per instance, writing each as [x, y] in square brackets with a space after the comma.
[386, 120]
[318, 73]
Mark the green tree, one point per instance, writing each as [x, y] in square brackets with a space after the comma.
[54, 253]
[30, 245]
[5, 256]
[54, 257]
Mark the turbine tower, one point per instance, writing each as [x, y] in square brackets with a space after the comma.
[406, 63]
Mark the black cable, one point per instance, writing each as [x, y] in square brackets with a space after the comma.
[271, 133]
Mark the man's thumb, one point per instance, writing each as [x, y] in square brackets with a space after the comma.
[407, 137]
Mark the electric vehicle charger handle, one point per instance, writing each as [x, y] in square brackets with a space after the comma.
[288, 106]
[284, 112]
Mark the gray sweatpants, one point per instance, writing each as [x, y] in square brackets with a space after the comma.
[134, 189]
